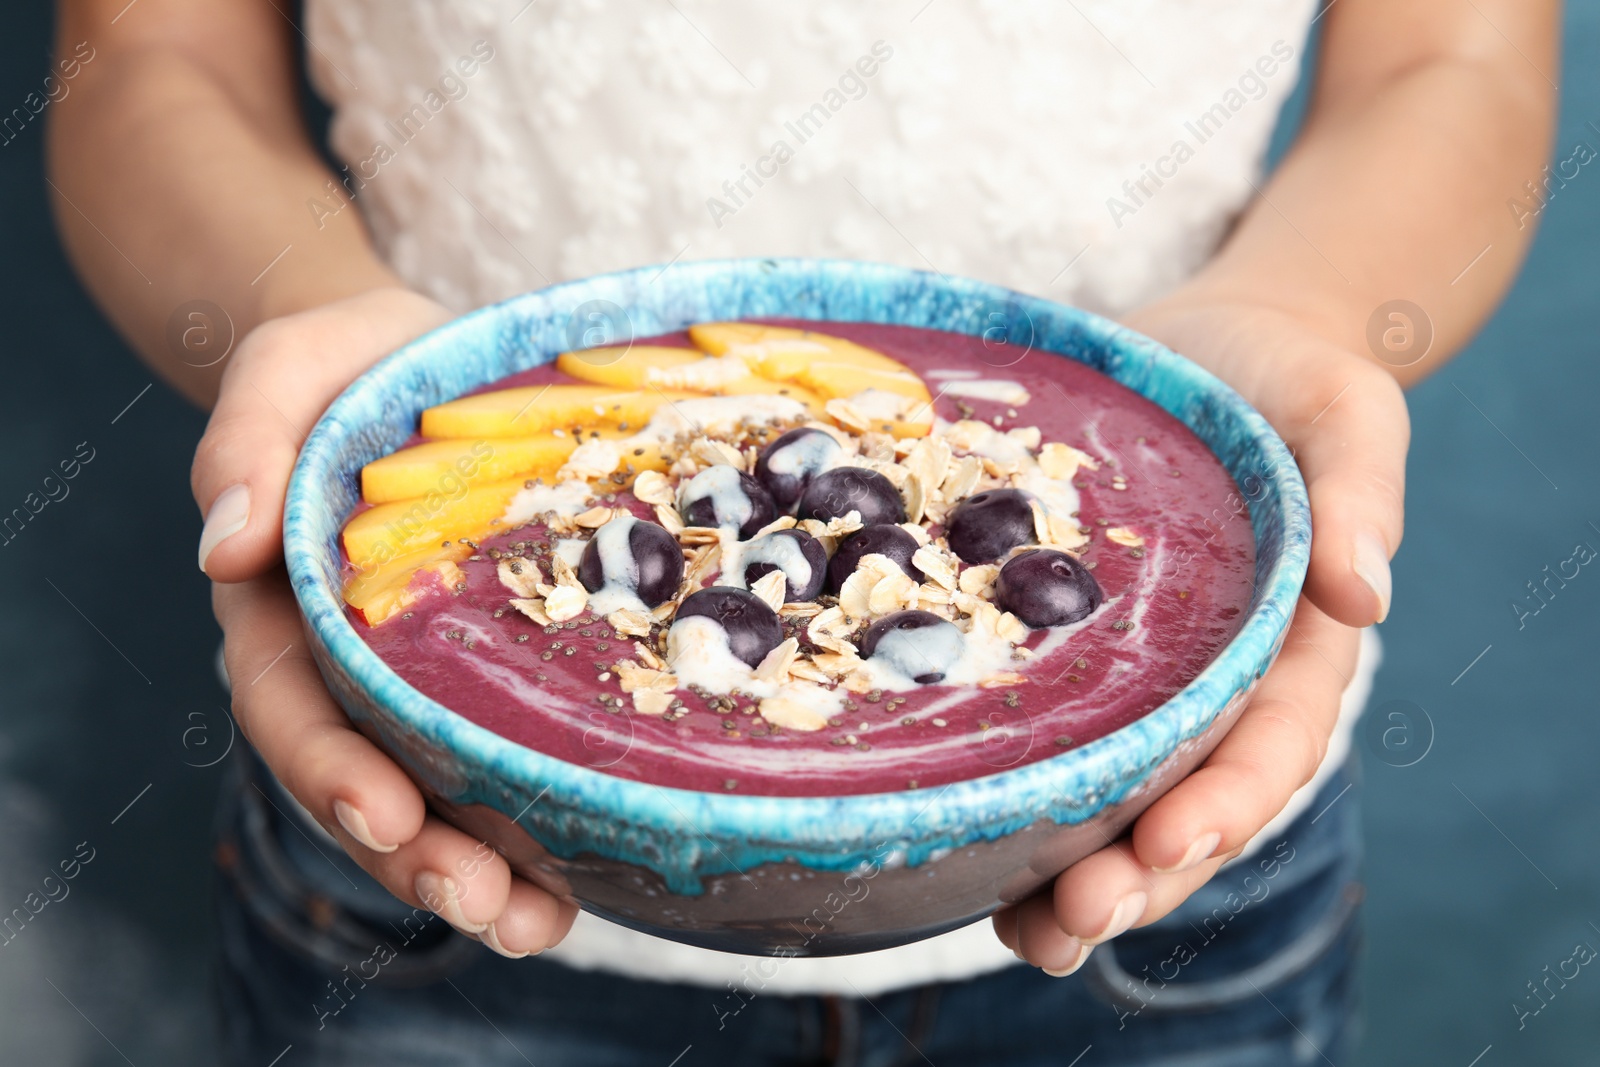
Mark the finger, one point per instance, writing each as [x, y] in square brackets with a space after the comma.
[1005, 928]
[1352, 451]
[284, 375]
[286, 712]
[1041, 940]
[567, 915]
[1274, 749]
[532, 921]
[1111, 892]
[450, 873]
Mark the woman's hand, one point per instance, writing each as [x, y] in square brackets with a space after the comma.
[1344, 417]
[284, 374]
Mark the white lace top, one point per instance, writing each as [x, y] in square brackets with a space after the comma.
[1093, 152]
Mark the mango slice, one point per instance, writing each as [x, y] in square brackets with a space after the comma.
[526, 411]
[388, 531]
[831, 380]
[782, 352]
[385, 590]
[624, 368]
[443, 466]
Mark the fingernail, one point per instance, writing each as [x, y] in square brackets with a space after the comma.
[441, 895]
[355, 824]
[492, 939]
[1127, 912]
[228, 515]
[1371, 563]
[1198, 853]
[1083, 954]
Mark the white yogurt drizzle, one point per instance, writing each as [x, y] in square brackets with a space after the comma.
[721, 484]
[999, 390]
[570, 549]
[698, 653]
[978, 656]
[811, 453]
[565, 498]
[620, 588]
[781, 551]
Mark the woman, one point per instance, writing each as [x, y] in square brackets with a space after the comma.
[1102, 154]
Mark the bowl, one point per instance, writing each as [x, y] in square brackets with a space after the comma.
[796, 876]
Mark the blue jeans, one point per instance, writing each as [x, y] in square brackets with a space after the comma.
[1257, 968]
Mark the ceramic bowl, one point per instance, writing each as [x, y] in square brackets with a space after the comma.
[793, 876]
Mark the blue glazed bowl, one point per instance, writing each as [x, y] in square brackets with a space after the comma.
[795, 876]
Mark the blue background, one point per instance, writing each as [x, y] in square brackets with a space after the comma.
[1483, 862]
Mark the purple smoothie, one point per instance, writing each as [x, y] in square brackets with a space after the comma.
[1171, 606]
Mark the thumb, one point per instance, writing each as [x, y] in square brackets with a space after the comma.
[285, 374]
[240, 475]
[1353, 458]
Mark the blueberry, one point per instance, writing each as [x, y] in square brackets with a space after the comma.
[639, 557]
[1044, 587]
[753, 628]
[787, 465]
[801, 558]
[984, 527]
[845, 489]
[895, 542]
[918, 644]
[724, 496]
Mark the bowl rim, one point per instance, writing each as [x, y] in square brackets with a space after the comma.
[1076, 783]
